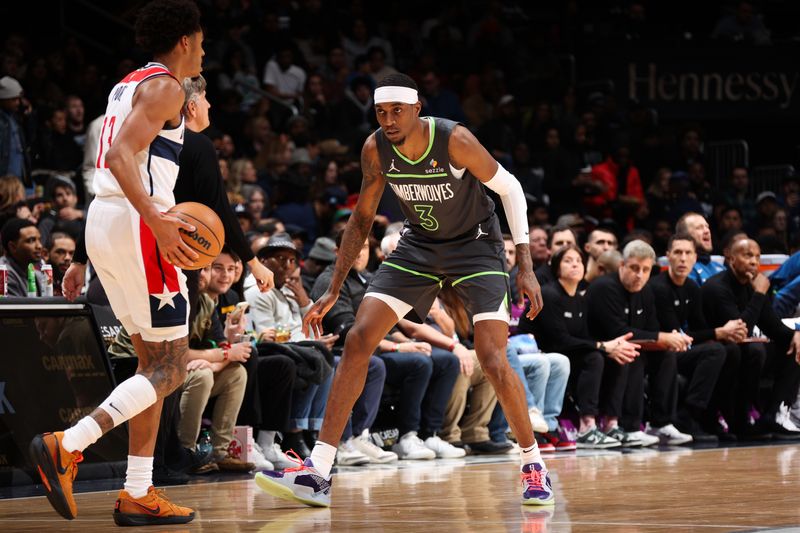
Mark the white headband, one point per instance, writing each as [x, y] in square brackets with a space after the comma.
[404, 95]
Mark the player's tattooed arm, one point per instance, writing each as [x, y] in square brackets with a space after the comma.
[360, 222]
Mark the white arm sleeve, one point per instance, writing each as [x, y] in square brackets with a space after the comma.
[514, 204]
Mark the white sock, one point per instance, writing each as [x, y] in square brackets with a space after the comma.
[322, 456]
[81, 435]
[531, 455]
[130, 398]
[139, 476]
[266, 438]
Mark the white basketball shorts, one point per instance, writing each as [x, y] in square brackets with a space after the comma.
[147, 294]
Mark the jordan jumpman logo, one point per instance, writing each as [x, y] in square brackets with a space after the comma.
[480, 232]
[393, 168]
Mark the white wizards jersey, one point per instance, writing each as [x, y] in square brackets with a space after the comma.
[158, 163]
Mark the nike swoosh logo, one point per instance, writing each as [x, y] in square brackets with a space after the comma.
[61, 469]
[149, 509]
[111, 404]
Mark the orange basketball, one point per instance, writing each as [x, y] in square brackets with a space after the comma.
[209, 234]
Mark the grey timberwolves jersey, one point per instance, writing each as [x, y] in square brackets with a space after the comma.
[439, 202]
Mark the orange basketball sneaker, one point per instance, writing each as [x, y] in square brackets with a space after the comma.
[57, 468]
[152, 509]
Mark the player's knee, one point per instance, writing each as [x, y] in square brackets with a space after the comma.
[496, 367]
[355, 345]
[180, 376]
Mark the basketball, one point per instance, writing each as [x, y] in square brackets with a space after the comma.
[209, 235]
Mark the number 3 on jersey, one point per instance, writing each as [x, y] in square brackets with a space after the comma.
[426, 220]
[105, 141]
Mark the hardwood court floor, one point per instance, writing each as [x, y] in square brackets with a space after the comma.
[729, 489]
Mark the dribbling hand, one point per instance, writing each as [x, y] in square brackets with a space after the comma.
[165, 229]
[74, 279]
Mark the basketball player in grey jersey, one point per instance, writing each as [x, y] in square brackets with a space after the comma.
[437, 169]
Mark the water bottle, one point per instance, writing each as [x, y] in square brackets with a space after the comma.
[204, 446]
[31, 282]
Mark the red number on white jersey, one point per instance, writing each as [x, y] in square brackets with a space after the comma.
[105, 142]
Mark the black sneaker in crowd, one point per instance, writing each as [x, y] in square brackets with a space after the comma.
[594, 439]
[687, 424]
[164, 476]
[623, 437]
[489, 447]
[296, 442]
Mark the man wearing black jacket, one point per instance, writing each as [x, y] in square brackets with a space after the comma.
[741, 292]
[621, 303]
[199, 180]
[680, 308]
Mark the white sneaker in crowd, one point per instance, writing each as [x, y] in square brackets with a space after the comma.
[645, 438]
[537, 420]
[670, 435]
[784, 419]
[275, 455]
[347, 455]
[794, 411]
[410, 446]
[376, 454]
[443, 449]
[259, 461]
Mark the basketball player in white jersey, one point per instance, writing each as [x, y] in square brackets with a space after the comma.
[137, 251]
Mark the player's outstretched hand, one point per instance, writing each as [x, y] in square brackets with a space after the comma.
[312, 321]
[264, 276]
[74, 279]
[166, 228]
[528, 286]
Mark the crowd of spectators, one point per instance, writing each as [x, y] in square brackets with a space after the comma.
[609, 189]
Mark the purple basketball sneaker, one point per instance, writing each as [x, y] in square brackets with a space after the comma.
[536, 486]
[301, 483]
